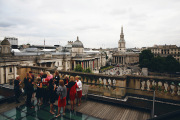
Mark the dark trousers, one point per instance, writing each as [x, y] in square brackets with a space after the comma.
[67, 97]
[45, 93]
[28, 100]
[17, 95]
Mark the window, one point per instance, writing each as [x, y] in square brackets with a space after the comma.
[10, 69]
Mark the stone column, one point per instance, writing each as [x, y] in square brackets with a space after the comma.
[123, 60]
[6, 72]
[89, 64]
[85, 65]
[15, 71]
[1, 75]
[74, 64]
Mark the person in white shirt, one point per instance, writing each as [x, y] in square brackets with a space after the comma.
[79, 90]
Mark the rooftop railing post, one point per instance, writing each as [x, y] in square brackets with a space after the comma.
[153, 104]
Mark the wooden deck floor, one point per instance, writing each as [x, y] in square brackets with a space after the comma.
[111, 112]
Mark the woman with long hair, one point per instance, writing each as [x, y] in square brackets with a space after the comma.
[52, 95]
[66, 81]
[62, 92]
[49, 75]
[39, 91]
[79, 90]
[26, 80]
[56, 77]
[72, 85]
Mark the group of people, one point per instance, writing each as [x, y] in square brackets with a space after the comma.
[50, 88]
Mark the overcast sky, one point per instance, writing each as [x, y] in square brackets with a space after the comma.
[96, 22]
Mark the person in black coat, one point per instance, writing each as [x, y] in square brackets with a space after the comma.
[52, 95]
[17, 89]
[56, 78]
[29, 93]
[26, 79]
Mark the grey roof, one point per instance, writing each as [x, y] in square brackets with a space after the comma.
[68, 46]
[39, 53]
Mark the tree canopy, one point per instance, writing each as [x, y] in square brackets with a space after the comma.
[158, 64]
[79, 68]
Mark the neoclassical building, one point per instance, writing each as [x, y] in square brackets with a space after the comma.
[91, 60]
[121, 57]
[165, 50]
[67, 61]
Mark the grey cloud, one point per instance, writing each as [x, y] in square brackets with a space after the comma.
[6, 24]
[118, 12]
[88, 27]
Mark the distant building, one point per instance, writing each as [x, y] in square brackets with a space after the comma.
[50, 57]
[12, 40]
[165, 50]
[5, 48]
[122, 57]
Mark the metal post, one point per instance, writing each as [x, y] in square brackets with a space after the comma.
[153, 104]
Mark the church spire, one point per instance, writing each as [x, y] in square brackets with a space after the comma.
[121, 30]
[122, 43]
[122, 34]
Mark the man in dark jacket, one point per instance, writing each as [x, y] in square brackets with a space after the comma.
[29, 93]
[17, 89]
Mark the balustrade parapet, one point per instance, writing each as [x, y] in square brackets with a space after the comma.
[154, 78]
[93, 75]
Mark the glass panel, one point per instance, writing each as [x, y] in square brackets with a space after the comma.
[42, 114]
[30, 118]
[14, 113]
[24, 113]
[3, 117]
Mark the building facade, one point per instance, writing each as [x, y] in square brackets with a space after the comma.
[165, 50]
[12, 40]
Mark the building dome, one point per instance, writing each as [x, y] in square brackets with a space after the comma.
[77, 44]
[5, 42]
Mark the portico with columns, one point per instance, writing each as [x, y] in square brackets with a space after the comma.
[92, 63]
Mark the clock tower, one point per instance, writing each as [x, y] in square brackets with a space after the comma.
[121, 43]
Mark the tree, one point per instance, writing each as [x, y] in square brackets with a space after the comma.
[145, 58]
[158, 64]
[146, 54]
[78, 68]
[88, 70]
[172, 65]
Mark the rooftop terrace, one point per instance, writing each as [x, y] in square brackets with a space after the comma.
[125, 97]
